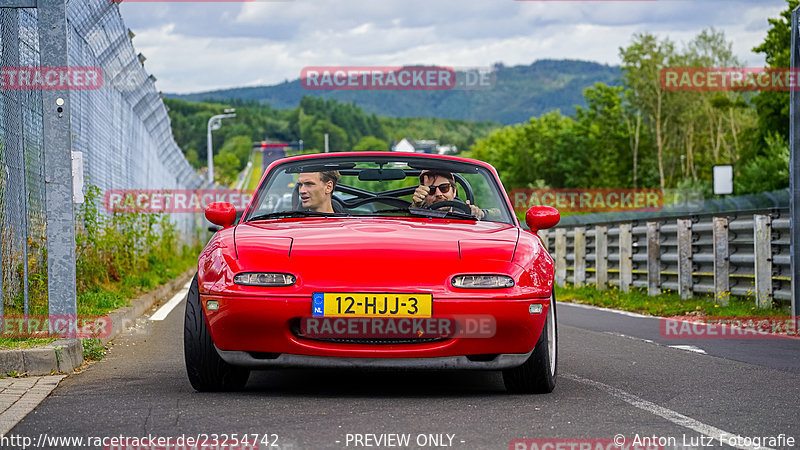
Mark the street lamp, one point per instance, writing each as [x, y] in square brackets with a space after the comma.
[215, 123]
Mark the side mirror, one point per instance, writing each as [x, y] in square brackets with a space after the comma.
[220, 213]
[542, 217]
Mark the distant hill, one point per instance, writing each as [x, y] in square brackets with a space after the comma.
[518, 93]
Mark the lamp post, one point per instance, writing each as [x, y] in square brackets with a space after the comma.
[215, 123]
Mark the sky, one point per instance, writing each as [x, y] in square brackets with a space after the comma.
[201, 46]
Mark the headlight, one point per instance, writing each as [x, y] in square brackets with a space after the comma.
[483, 281]
[264, 279]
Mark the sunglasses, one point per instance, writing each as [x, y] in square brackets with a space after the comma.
[444, 187]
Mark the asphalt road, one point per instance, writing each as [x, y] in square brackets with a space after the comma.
[616, 377]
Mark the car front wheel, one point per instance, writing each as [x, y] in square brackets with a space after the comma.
[538, 374]
[206, 370]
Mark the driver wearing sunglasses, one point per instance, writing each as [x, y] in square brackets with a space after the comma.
[439, 186]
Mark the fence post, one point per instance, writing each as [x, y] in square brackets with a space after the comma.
[625, 256]
[722, 290]
[561, 256]
[653, 259]
[685, 258]
[57, 147]
[579, 244]
[762, 233]
[601, 256]
[794, 169]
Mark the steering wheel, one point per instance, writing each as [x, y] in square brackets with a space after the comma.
[463, 207]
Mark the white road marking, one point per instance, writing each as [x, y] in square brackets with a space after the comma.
[666, 413]
[689, 348]
[164, 311]
[615, 311]
[630, 337]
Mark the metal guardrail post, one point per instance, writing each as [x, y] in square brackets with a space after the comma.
[601, 256]
[762, 237]
[625, 256]
[653, 259]
[685, 258]
[722, 283]
[794, 167]
[579, 243]
[561, 256]
[57, 145]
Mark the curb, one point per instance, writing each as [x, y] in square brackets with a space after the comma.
[64, 355]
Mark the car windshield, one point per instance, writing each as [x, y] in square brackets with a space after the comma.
[380, 187]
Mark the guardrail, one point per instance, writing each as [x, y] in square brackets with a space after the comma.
[745, 254]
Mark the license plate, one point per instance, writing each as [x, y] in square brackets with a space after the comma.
[350, 304]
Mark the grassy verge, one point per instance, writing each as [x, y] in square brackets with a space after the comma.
[119, 256]
[255, 174]
[667, 304]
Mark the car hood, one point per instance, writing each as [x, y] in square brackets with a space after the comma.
[355, 252]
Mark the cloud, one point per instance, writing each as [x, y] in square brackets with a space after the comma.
[204, 46]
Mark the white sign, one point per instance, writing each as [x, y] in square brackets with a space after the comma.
[723, 180]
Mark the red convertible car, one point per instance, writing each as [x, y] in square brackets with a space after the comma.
[374, 260]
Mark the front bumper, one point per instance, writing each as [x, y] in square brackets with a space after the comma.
[244, 326]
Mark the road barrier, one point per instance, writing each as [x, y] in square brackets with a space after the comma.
[743, 253]
[77, 108]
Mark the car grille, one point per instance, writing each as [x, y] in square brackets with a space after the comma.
[295, 328]
[376, 341]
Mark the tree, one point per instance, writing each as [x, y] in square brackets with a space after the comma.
[193, 158]
[226, 168]
[603, 123]
[773, 106]
[643, 61]
[371, 143]
[767, 172]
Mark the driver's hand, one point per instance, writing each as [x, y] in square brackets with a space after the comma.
[420, 195]
[477, 212]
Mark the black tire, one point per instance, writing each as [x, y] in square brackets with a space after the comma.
[206, 370]
[538, 374]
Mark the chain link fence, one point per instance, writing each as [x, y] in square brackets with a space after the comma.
[122, 129]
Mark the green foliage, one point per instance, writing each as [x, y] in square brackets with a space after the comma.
[666, 304]
[348, 128]
[93, 349]
[371, 143]
[773, 106]
[226, 167]
[639, 135]
[121, 254]
[193, 158]
[768, 171]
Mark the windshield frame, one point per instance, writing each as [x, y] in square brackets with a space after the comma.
[416, 163]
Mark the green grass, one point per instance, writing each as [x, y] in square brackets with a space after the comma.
[255, 174]
[93, 349]
[6, 343]
[666, 304]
